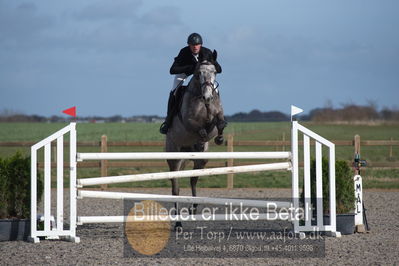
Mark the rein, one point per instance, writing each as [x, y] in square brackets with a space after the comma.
[208, 83]
[214, 87]
[199, 96]
[195, 89]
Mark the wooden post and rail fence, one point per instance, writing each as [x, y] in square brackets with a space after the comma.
[230, 143]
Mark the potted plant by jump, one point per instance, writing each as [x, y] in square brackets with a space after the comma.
[345, 196]
[15, 197]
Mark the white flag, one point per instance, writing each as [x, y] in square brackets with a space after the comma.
[295, 110]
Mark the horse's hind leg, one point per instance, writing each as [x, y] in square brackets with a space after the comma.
[198, 164]
[175, 192]
[174, 165]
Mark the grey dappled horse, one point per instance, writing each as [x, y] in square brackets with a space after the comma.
[199, 119]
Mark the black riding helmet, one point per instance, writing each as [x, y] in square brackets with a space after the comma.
[194, 39]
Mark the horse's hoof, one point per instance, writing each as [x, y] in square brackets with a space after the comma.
[219, 140]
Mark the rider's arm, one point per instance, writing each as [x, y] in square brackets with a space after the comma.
[176, 68]
[179, 67]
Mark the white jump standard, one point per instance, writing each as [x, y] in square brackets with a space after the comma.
[291, 164]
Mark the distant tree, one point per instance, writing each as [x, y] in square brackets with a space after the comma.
[349, 112]
[115, 118]
[258, 116]
[389, 115]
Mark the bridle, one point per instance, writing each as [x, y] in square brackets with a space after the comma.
[212, 85]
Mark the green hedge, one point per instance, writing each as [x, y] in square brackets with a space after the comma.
[15, 187]
[344, 186]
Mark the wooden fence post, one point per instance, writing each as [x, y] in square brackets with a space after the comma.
[283, 141]
[104, 163]
[391, 150]
[357, 148]
[230, 162]
[53, 152]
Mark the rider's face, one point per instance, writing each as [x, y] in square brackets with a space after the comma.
[195, 48]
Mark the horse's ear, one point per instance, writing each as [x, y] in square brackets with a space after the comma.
[214, 55]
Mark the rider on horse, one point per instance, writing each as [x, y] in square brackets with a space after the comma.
[184, 66]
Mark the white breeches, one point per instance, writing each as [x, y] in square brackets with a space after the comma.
[179, 78]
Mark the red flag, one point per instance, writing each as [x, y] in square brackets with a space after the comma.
[70, 111]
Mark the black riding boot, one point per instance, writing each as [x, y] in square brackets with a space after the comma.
[169, 116]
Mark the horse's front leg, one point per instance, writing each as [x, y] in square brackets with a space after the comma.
[197, 126]
[220, 125]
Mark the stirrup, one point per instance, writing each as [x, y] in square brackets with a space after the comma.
[164, 128]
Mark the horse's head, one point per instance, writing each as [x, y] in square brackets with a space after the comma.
[206, 75]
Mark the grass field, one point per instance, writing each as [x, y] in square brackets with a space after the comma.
[374, 178]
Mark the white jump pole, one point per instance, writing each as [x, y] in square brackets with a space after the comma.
[181, 174]
[181, 155]
[184, 199]
[192, 218]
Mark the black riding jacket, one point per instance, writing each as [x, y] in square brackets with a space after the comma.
[185, 62]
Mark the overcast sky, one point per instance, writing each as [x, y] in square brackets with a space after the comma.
[113, 57]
